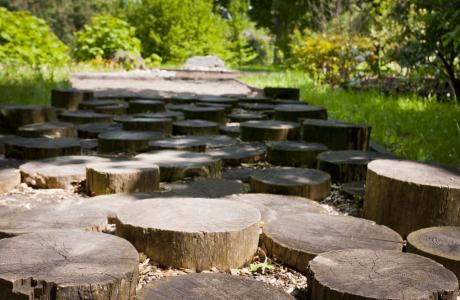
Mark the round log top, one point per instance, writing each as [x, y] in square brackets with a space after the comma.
[137, 119]
[193, 108]
[291, 176]
[331, 123]
[83, 114]
[130, 135]
[270, 124]
[120, 167]
[44, 143]
[349, 156]
[93, 103]
[212, 141]
[298, 107]
[417, 172]
[296, 146]
[46, 126]
[175, 115]
[146, 101]
[437, 241]
[189, 215]
[195, 123]
[171, 157]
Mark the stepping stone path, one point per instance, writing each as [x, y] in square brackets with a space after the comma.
[174, 115]
[177, 165]
[308, 183]
[92, 130]
[282, 93]
[245, 116]
[9, 179]
[195, 127]
[121, 177]
[294, 154]
[269, 130]
[294, 112]
[212, 114]
[296, 239]
[69, 99]
[146, 106]
[219, 234]
[192, 143]
[84, 117]
[15, 116]
[375, 274]
[210, 286]
[41, 148]
[336, 135]
[126, 141]
[148, 124]
[48, 130]
[68, 265]
[407, 195]
[239, 153]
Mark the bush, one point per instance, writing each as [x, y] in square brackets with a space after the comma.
[103, 37]
[29, 40]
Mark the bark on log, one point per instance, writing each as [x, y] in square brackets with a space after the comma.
[148, 124]
[174, 115]
[14, 116]
[92, 130]
[69, 99]
[245, 116]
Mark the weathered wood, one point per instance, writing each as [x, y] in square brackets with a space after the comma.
[241, 174]
[41, 148]
[92, 104]
[84, 117]
[230, 129]
[353, 189]
[146, 106]
[255, 99]
[218, 100]
[48, 130]
[14, 116]
[243, 116]
[210, 286]
[68, 265]
[282, 93]
[260, 107]
[179, 107]
[213, 114]
[3, 139]
[364, 274]
[269, 130]
[126, 141]
[336, 135]
[407, 195]
[296, 239]
[203, 188]
[195, 127]
[115, 109]
[177, 165]
[227, 107]
[194, 233]
[294, 154]
[198, 143]
[92, 130]
[122, 118]
[148, 124]
[294, 112]
[9, 179]
[240, 153]
[125, 176]
[182, 99]
[174, 115]
[69, 98]
[308, 183]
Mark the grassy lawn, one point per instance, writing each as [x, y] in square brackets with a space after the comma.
[413, 128]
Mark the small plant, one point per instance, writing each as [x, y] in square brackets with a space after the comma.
[260, 267]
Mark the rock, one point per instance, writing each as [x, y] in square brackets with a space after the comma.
[129, 60]
[204, 63]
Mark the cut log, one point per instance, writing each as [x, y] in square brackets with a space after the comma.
[126, 141]
[203, 188]
[218, 100]
[68, 265]
[195, 127]
[122, 118]
[174, 115]
[227, 107]
[260, 107]
[210, 286]
[88, 146]
[336, 135]
[14, 116]
[240, 153]
[241, 174]
[365, 274]
[182, 99]
[294, 112]
[197, 143]
[230, 129]
[146, 106]
[308, 183]
[84, 117]
[9, 179]
[92, 130]
[255, 99]
[441, 244]
[58, 172]
[115, 109]
[407, 195]
[347, 165]
[353, 189]
[245, 116]
[69, 99]
[121, 177]
[269, 130]
[294, 154]
[177, 165]
[41, 148]
[282, 93]
[92, 104]
[296, 239]
[287, 101]
[179, 107]
[148, 124]
[193, 233]
[48, 130]
[213, 114]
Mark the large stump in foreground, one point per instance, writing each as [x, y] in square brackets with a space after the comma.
[41, 148]
[294, 112]
[14, 116]
[194, 233]
[269, 130]
[364, 274]
[126, 141]
[195, 127]
[68, 265]
[69, 98]
[294, 154]
[408, 195]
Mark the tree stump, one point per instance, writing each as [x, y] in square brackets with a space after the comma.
[212, 114]
[353, 189]
[230, 129]
[308, 183]
[296, 239]
[226, 107]
[122, 118]
[197, 143]
[192, 233]
[121, 177]
[336, 135]
[68, 265]
[256, 99]
[195, 127]
[69, 99]
[210, 286]
[115, 109]
[441, 244]
[126, 141]
[177, 165]
[378, 274]
[407, 195]
[179, 107]
[148, 124]
[294, 112]
[241, 174]
[218, 100]
[245, 116]
[282, 93]
[14, 116]
[287, 101]
[41, 148]
[174, 115]
[182, 99]
[48, 130]
[260, 107]
[58, 172]
[9, 179]
[93, 104]
[294, 154]
[240, 153]
[92, 130]
[3, 139]
[84, 117]
[347, 165]
[203, 188]
[269, 130]
[146, 106]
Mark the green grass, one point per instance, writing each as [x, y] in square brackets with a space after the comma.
[411, 127]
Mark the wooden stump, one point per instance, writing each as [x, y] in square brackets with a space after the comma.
[240, 153]
[197, 143]
[84, 117]
[182, 99]
[294, 112]
[241, 174]
[9, 179]
[121, 177]
[282, 93]
[195, 127]
[92, 130]
[269, 130]
[336, 135]
[296, 239]
[260, 107]
[308, 183]
[122, 118]
[14, 116]
[41, 148]
[245, 116]
[148, 124]
[218, 100]
[58, 172]
[212, 114]
[68, 265]
[48, 130]
[93, 104]
[255, 99]
[353, 189]
[69, 99]
[193, 233]
[441, 244]
[179, 107]
[377, 274]
[3, 139]
[226, 107]
[145, 106]
[174, 115]
[287, 101]
[407, 195]
[177, 165]
[348, 165]
[230, 129]
[294, 154]
[126, 141]
[210, 286]
[115, 109]
[203, 188]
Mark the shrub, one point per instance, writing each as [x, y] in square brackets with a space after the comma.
[29, 40]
